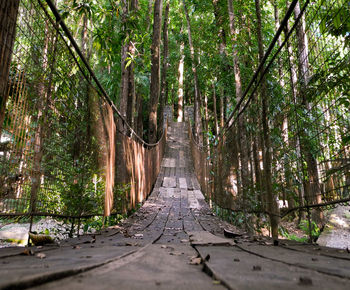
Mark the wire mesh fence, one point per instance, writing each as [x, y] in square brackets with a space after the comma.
[285, 148]
[65, 149]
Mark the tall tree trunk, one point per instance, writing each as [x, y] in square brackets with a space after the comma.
[124, 84]
[197, 94]
[272, 204]
[285, 127]
[127, 87]
[295, 142]
[155, 71]
[164, 83]
[215, 112]
[139, 119]
[8, 17]
[180, 93]
[131, 96]
[206, 121]
[222, 109]
[219, 20]
[241, 132]
[313, 189]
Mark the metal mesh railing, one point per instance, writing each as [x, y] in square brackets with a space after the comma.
[299, 159]
[63, 152]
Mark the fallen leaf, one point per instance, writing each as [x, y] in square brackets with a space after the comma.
[130, 244]
[175, 253]
[195, 261]
[216, 282]
[41, 256]
[27, 252]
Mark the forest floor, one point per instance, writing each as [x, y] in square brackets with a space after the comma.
[336, 233]
[16, 233]
[174, 241]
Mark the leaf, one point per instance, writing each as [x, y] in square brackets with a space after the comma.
[346, 140]
[27, 252]
[323, 26]
[41, 255]
[128, 63]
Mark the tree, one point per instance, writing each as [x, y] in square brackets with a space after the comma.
[241, 131]
[8, 17]
[197, 94]
[164, 82]
[273, 208]
[312, 188]
[155, 72]
[128, 90]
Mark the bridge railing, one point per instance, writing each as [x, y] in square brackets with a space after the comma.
[285, 148]
[65, 149]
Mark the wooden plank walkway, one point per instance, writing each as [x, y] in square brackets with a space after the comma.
[158, 246]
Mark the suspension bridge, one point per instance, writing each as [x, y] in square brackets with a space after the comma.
[67, 152]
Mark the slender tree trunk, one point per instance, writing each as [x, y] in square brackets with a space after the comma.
[272, 207]
[124, 85]
[215, 112]
[164, 83]
[313, 189]
[8, 17]
[285, 127]
[131, 106]
[222, 109]
[127, 87]
[295, 142]
[241, 132]
[206, 120]
[155, 71]
[219, 19]
[180, 93]
[139, 120]
[197, 94]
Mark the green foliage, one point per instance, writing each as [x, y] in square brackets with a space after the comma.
[284, 232]
[315, 230]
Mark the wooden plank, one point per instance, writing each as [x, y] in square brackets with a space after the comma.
[238, 269]
[202, 238]
[182, 183]
[169, 182]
